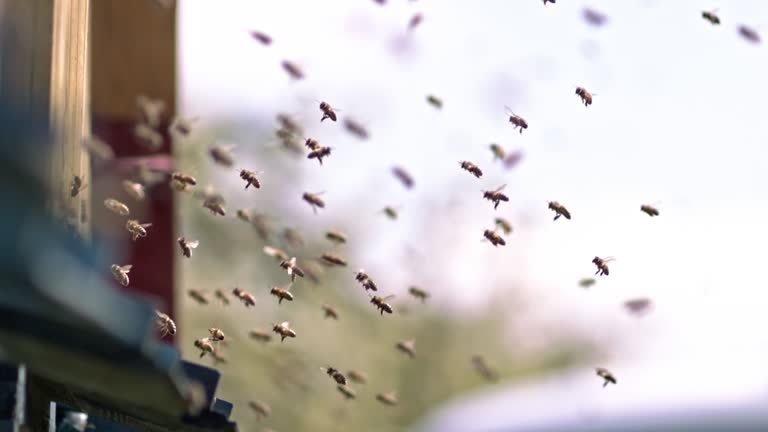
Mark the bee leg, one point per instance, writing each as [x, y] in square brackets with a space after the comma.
[280, 301]
[202, 354]
[495, 206]
[282, 338]
[557, 216]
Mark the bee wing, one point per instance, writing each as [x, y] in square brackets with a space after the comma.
[500, 188]
[146, 225]
[193, 244]
[126, 268]
[509, 110]
[391, 296]
[609, 259]
[285, 324]
[292, 262]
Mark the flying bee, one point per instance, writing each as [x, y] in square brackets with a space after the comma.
[134, 190]
[136, 229]
[276, 253]
[337, 237]
[187, 246]
[319, 153]
[504, 224]
[260, 408]
[284, 330]
[218, 357]
[165, 324]
[250, 178]
[313, 271]
[217, 335]
[291, 268]
[244, 215]
[368, 283]
[711, 17]
[329, 311]
[293, 70]
[419, 293]
[749, 34]
[289, 124]
[405, 178]
[602, 265]
[262, 225]
[356, 128]
[222, 296]
[199, 296]
[593, 17]
[260, 335]
[216, 206]
[182, 126]
[390, 212]
[151, 110]
[357, 377]
[98, 149]
[183, 179]
[381, 304]
[264, 38]
[586, 97]
[76, 186]
[498, 152]
[346, 391]
[495, 196]
[311, 144]
[606, 375]
[314, 200]
[387, 398]
[649, 210]
[587, 282]
[281, 294]
[121, 273]
[335, 374]
[205, 346]
[328, 111]
[435, 101]
[117, 207]
[149, 138]
[549, 1]
[247, 298]
[222, 155]
[638, 306]
[472, 168]
[415, 21]
[559, 209]
[481, 366]
[333, 260]
[513, 159]
[516, 120]
[494, 238]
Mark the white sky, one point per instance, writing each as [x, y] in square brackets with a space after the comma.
[679, 119]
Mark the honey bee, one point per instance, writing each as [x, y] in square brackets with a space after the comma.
[134, 190]
[205, 346]
[638, 306]
[262, 225]
[504, 224]
[250, 178]
[435, 101]
[319, 153]
[328, 111]
[292, 269]
[182, 126]
[281, 294]
[602, 265]
[222, 155]
[390, 211]
[218, 357]
[415, 21]
[117, 207]
[587, 282]
[329, 311]
[513, 159]
[293, 70]
[215, 205]
[481, 366]
[586, 97]
[749, 34]
[346, 391]
[165, 324]
[149, 138]
[337, 237]
[494, 238]
[260, 408]
[247, 298]
[217, 335]
[405, 178]
[549, 1]
[649, 210]
[98, 149]
[289, 124]
[559, 210]
[260, 335]
[136, 229]
[516, 120]
[121, 273]
[364, 279]
[151, 110]
[187, 246]
[76, 186]
[606, 375]
[335, 374]
[199, 296]
[276, 253]
[711, 17]
[472, 168]
[381, 304]
[357, 377]
[356, 128]
[182, 178]
[387, 398]
[284, 330]
[498, 152]
[314, 200]
[418, 293]
[313, 271]
[293, 238]
[222, 296]
[331, 259]
[495, 196]
[593, 17]
[261, 37]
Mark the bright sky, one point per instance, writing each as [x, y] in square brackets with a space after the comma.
[678, 120]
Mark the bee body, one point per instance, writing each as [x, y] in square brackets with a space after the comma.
[165, 324]
[330, 311]
[250, 178]
[291, 268]
[586, 97]
[418, 293]
[381, 304]
[494, 238]
[333, 260]
[247, 298]
[606, 375]
[281, 294]
[284, 330]
[187, 246]
[328, 111]
[314, 200]
[559, 210]
[205, 346]
[120, 273]
[649, 210]
[116, 207]
[471, 168]
[136, 229]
